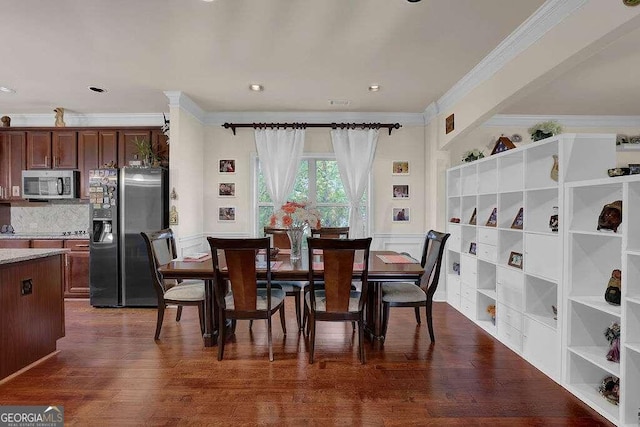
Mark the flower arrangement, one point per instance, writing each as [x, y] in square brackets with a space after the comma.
[544, 130]
[471, 155]
[296, 215]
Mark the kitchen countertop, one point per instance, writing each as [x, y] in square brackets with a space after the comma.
[44, 236]
[8, 256]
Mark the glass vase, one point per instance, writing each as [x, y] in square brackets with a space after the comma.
[296, 235]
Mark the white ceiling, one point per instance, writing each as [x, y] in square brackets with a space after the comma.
[304, 52]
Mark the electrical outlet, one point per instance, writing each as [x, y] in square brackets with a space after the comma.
[27, 287]
[15, 191]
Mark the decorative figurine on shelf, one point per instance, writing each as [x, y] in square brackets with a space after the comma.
[455, 220]
[614, 288]
[610, 389]
[555, 168]
[553, 220]
[6, 121]
[555, 312]
[611, 216]
[502, 144]
[613, 336]
[491, 309]
[59, 117]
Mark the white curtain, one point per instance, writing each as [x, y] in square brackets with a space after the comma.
[355, 150]
[280, 152]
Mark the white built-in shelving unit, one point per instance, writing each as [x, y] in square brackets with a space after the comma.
[525, 297]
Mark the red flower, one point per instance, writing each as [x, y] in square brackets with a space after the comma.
[287, 221]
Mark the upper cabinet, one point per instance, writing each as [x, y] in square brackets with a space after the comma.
[52, 150]
[127, 148]
[12, 162]
[96, 148]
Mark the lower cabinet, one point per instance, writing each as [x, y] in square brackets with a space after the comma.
[77, 274]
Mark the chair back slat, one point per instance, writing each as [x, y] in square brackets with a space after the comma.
[331, 232]
[338, 276]
[432, 255]
[242, 277]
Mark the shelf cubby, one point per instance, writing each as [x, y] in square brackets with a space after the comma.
[469, 180]
[587, 203]
[469, 204]
[631, 277]
[453, 182]
[538, 163]
[592, 258]
[468, 237]
[543, 254]
[454, 207]
[584, 378]
[509, 205]
[587, 326]
[510, 177]
[540, 298]
[539, 206]
[486, 204]
[455, 231]
[509, 241]
[487, 277]
[487, 176]
[632, 209]
[483, 301]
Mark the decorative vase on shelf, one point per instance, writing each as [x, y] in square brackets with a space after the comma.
[296, 235]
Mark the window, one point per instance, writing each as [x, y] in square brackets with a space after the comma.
[319, 182]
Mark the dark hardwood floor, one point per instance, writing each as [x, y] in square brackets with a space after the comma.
[110, 371]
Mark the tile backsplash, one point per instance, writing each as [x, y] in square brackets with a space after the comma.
[50, 218]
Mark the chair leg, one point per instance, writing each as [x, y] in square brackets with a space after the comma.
[353, 326]
[417, 309]
[161, 307]
[282, 320]
[312, 337]
[269, 339]
[222, 334]
[250, 324]
[179, 313]
[385, 320]
[361, 341]
[298, 314]
[201, 316]
[430, 319]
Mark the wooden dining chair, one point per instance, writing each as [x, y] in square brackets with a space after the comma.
[280, 240]
[245, 299]
[331, 232]
[336, 301]
[416, 295]
[161, 249]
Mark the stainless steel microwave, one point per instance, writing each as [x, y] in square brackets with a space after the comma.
[50, 184]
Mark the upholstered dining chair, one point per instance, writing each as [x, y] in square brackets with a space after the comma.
[161, 249]
[280, 240]
[416, 295]
[332, 262]
[331, 232]
[245, 299]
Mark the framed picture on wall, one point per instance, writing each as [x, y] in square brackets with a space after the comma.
[400, 167]
[227, 189]
[400, 191]
[401, 214]
[227, 214]
[227, 166]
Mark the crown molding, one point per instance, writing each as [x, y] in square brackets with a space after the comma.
[520, 120]
[181, 100]
[78, 120]
[550, 14]
[405, 119]
[431, 112]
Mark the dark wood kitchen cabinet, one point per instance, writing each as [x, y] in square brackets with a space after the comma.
[95, 149]
[12, 162]
[77, 269]
[15, 243]
[52, 150]
[126, 147]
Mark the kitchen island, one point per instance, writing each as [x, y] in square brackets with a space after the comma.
[31, 306]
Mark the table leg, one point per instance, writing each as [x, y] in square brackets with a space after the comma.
[373, 319]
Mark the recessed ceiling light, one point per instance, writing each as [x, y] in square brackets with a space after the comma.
[97, 89]
[256, 87]
[374, 88]
[6, 89]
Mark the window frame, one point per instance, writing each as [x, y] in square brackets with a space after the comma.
[255, 165]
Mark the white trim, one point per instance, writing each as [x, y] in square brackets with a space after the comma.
[405, 119]
[179, 99]
[73, 119]
[521, 120]
[431, 112]
[550, 14]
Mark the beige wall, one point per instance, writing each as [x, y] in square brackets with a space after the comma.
[407, 143]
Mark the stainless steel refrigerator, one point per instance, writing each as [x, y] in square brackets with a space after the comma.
[124, 202]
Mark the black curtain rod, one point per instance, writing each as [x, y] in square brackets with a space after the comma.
[390, 126]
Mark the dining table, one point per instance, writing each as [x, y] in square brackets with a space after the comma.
[384, 266]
